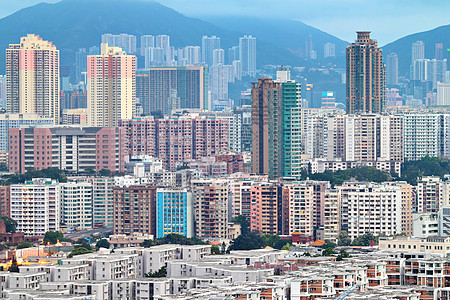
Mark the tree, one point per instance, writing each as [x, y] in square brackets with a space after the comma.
[328, 252]
[4, 167]
[329, 244]
[89, 171]
[270, 240]
[14, 268]
[160, 273]
[215, 249]
[105, 172]
[245, 224]
[342, 254]
[24, 245]
[344, 239]
[365, 239]
[78, 251]
[103, 243]
[10, 224]
[83, 242]
[248, 241]
[223, 248]
[52, 237]
[286, 247]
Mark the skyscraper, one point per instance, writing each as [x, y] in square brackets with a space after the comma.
[209, 44]
[218, 57]
[417, 51]
[392, 69]
[190, 84]
[80, 64]
[125, 41]
[276, 126]
[366, 78]
[32, 77]
[111, 87]
[162, 41]
[308, 46]
[439, 51]
[147, 41]
[247, 54]
[329, 50]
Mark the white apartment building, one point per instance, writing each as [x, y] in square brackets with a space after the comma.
[331, 221]
[425, 224]
[35, 205]
[421, 136]
[431, 194]
[301, 206]
[76, 205]
[370, 207]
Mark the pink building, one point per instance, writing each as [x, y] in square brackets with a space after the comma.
[71, 148]
[265, 211]
[175, 139]
[4, 201]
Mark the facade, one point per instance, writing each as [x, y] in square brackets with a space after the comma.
[366, 78]
[210, 208]
[35, 206]
[134, 210]
[301, 208]
[76, 205]
[67, 148]
[111, 87]
[174, 212]
[32, 78]
[431, 194]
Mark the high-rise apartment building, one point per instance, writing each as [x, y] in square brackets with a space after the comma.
[366, 76]
[392, 69]
[209, 44]
[32, 78]
[265, 209]
[76, 205]
[300, 205]
[174, 212]
[72, 148]
[134, 210]
[276, 134]
[80, 64]
[5, 202]
[35, 206]
[430, 194]
[189, 84]
[127, 42]
[102, 200]
[417, 51]
[439, 51]
[247, 55]
[174, 139]
[211, 208]
[147, 41]
[443, 93]
[111, 87]
[421, 136]
[329, 50]
[370, 207]
[162, 41]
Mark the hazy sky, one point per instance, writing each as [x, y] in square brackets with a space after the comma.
[387, 19]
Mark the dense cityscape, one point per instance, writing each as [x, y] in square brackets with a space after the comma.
[142, 167]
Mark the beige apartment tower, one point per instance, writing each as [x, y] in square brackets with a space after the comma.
[366, 79]
[111, 87]
[32, 78]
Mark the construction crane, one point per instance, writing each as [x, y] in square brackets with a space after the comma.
[347, 292]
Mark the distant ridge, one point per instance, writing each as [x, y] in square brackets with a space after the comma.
[402, 46]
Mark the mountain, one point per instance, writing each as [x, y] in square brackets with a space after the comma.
[285, 33]
[74, 24]
[402, 46]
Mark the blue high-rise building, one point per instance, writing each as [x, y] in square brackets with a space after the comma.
[174, 212]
